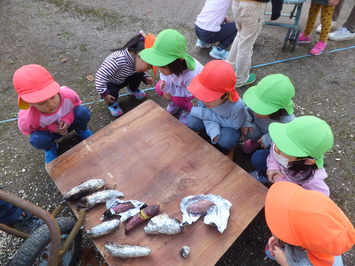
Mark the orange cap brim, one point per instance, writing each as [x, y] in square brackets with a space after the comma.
[201, 92]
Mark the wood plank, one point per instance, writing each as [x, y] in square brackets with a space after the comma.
[152, 157]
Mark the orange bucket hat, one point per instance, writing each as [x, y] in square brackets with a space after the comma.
[308, 219]
[33, 84]
[216, 78]
[148, 43]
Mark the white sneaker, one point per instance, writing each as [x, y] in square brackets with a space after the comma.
[202, 44]
[319, 28]
[342, 34]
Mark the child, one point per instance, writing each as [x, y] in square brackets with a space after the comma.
[18, 218]
[308, 228]
[120, 69]
[327, 7]
[49, 111]
[212, 25]
[298, 152]
[249, 18]
[220, 111]
[269, 101]
[177, 69]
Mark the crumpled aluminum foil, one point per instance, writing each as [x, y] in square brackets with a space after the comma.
[163, 224]
[124, 216]
[217, 214]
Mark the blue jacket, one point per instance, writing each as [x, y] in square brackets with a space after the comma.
[322, 2]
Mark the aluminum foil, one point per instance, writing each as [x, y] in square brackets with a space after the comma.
[163, 224]
[217, 214]
[126, 251]
[124, 216]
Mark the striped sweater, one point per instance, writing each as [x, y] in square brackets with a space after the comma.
[116, 68]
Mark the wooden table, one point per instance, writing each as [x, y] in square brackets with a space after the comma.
[152, 157]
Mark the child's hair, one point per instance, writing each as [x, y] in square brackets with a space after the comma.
[297, 253]
[299, 172]
[135, 45]
[278, 114]
[177, 67]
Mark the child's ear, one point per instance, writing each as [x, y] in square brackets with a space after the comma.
[309, 161]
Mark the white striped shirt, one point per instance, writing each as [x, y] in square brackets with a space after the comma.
[116, 68]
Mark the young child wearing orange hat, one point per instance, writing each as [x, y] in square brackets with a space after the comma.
[49, 111]
[308, 228]
[220, 111]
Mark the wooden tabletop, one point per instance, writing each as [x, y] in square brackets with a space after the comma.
[152, 157]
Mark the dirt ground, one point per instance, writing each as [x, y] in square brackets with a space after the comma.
[71, 39]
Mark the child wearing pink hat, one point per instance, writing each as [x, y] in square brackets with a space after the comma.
[220, 112]
[48, 111]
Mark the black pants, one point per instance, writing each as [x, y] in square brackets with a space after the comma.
[132, 82]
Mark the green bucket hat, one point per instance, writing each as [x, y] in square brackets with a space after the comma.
[272, 93]
[302, 137]
[168, 46]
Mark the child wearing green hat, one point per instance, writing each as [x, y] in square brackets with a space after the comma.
[177, 68]
[298, 152]
[269, 101]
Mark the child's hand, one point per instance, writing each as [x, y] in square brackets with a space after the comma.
[215, 139]
[274, 175]
[109, 99]
[279, 255]
[149, 81]
[333, 2]
[261, 143]
[246, 130]
[162, 84]
[272, 242]
[167, 96]
[227, 19]
[62, 128]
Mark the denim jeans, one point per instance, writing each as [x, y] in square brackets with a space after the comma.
[228, 137]
[225, 36]
[9, 213]
[44, 140]
[258, 160]
[132, 82]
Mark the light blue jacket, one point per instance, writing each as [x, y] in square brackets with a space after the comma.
[229, 114]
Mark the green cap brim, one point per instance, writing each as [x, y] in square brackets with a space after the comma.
[281, 139]
[153, 58]
[255, 104]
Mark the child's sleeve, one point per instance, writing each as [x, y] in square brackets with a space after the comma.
[213, 129]
[26, 122]
[271, 162]
[276, 9]
[168, 83]
[75, 99]
[248, 118]
[108, 69]
[236, 120]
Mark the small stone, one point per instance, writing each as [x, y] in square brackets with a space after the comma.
[64, 60]
[90, 78]
[185, 252]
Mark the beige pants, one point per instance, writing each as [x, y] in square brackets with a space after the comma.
[249, 18]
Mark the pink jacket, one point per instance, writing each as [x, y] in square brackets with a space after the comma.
[315, 183]
[31, 120]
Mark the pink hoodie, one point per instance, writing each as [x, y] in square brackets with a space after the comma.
[315, 183]
[31, 120]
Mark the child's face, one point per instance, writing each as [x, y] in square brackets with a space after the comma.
[48, 106]
[141, 66]
[217, 102]
[165, 70]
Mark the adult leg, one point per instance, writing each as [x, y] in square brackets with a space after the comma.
[337, 10]
[350, 22]
[233, 51]
[250, 15]
[228, 138]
